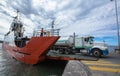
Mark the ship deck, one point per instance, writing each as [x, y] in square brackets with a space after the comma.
[78, 56]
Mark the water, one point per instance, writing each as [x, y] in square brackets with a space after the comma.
[12, 67]
[112, 48]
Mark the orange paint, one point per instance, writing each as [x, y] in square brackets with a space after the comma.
[34, 51]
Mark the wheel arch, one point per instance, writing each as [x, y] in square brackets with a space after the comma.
[96, 48]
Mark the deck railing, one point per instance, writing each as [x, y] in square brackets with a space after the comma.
[51, 32]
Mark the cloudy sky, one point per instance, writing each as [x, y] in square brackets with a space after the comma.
[84, 17]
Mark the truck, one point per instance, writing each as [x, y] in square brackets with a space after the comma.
[84, 45]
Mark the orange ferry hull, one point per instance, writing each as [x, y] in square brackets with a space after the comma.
[34, 51]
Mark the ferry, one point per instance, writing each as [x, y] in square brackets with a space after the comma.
[28, 50]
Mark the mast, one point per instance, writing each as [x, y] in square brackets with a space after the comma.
[17, 26]
[52, 28]
[18, 14]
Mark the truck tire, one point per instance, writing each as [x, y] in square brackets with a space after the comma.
[67, 52]
[96, 53]
[61, 52]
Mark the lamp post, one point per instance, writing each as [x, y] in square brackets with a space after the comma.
[117, 23]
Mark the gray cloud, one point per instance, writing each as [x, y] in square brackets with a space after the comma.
[90, 17]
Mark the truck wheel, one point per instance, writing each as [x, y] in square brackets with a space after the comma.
[66, 52]
[62, 52]
[96, 53]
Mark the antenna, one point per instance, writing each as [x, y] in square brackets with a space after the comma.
[53, 22]
[52, 28]
[18, 15]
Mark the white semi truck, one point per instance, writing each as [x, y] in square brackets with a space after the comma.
[84, 45]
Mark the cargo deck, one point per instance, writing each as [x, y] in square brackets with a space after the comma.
[78, 56]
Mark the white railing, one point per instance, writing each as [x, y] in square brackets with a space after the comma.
[49, 32]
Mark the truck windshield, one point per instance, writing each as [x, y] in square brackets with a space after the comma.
[89, 39]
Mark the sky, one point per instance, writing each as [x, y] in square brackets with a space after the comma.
[84, 17]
